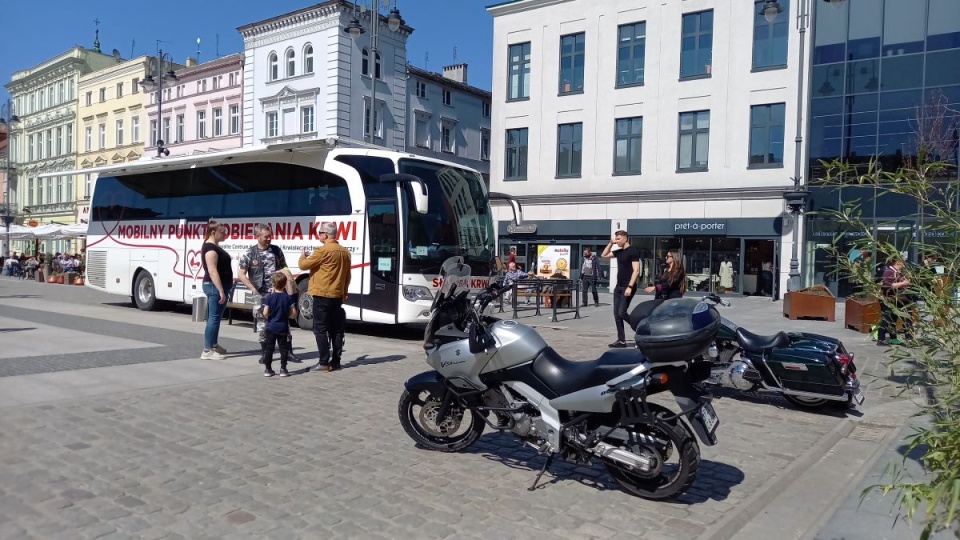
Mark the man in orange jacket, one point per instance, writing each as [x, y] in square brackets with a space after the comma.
[329, 267]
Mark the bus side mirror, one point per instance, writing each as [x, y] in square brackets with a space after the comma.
[512, 201]
[415, 187]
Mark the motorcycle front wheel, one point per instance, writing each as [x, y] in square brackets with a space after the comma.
[418, 413]
[676, 454]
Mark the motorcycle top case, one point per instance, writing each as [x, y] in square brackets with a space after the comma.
[678, 329]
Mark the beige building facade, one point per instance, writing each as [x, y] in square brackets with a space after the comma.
[111, 123]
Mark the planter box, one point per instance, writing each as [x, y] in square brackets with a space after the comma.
[814, 303]
[861, 313]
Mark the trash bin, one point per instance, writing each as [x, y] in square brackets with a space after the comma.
[199, 309]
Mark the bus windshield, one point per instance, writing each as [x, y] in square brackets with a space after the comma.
[458, 220]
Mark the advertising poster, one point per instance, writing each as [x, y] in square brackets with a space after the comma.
[552, 259]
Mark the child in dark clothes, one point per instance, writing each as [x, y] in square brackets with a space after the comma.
[278, 308]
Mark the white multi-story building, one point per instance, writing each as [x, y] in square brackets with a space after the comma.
[665, 119]
[449, 119]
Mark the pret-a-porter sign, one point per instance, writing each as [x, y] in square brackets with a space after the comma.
[700, 227]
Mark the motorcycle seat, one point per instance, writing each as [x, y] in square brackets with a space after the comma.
[566, 376]
[756, 343]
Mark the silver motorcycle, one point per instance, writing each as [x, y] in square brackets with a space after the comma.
[502, 374]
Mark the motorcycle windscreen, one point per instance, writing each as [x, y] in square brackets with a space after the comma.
[455, 281]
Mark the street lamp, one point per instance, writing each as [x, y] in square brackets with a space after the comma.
[150, 84]
[355, 30]
[8, 209]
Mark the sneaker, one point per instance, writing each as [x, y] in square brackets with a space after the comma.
[896, 341]
[284, 372]
[618, 345]
[219, 349]
[212, 355]
[268, 373]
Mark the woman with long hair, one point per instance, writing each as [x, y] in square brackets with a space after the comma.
[217, 284]
[672, 283]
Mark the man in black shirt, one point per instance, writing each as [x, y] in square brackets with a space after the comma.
[628, 272]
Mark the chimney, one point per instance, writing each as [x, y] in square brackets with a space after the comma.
[191, 61]
[456, 72]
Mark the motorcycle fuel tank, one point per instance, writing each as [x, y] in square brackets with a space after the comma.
[517, 344]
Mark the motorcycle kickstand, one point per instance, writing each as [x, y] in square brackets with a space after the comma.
[546, 464]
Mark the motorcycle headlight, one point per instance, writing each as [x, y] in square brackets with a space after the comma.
[416, 292]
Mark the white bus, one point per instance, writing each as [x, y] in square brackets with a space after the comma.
[399, 214]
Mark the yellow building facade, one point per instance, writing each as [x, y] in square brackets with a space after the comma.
[110, 123]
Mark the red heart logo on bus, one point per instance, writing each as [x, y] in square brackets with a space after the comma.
[194, 262]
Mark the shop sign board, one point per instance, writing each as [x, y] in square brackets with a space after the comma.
[700, 227]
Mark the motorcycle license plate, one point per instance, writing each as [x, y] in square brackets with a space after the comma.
[858, 396]
[709, 417]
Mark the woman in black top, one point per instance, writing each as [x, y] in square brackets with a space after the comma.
[217, 284]
[672, 283]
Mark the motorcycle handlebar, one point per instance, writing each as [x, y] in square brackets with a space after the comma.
[713, 297]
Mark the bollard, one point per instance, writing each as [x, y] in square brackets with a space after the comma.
[199, 309]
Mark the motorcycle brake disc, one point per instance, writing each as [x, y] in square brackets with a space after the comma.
[428, 419]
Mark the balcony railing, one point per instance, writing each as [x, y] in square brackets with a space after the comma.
[53, 208]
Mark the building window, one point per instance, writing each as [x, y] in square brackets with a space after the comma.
[165, 126]
[447, 136]
[50, 143]
[86, 185]
[697, 44]
[120, 132]
[770, 38]
[234, 119]
[364, 62]
[307, 120]
[421, 132]
[447, 97]
[71, 196]
[272, 67]
[69, 146]
[694, 141]
[135, 130]
[60, 141]
[30, 147]
[518, 74]
[571, 63]
[103, 95]
[377, 124]
[61, 196]
[153, 132]
[485, 109]
[203, 85]
[216, 82]
[308, 59]
[273, 127]
[421, 89]
[119, 89]
[201, 124]
[62, 92]
[628, 146]
[88, 99]
[766, 134]
[569, 149]
[103, 136]
[181, 128]
[135, 85]
[30, 192]
[291, 63]
[376, 65]
[485, 145]
[232, 79]
[50, 191]
[515, 155]
[631, 50]
[217, 122]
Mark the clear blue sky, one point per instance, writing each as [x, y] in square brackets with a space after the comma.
[35, 30]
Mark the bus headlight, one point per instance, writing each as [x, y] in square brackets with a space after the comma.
[416, 292]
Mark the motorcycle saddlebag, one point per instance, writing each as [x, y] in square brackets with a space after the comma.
[678, 329]
[806, 370]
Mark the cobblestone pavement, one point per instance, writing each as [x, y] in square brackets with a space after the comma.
[324, 456]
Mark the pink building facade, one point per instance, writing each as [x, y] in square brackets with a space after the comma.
[202, 110]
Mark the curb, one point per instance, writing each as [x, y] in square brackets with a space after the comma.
[754, 504]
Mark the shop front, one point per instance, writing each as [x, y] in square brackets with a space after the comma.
[726, 256]
[536, 237]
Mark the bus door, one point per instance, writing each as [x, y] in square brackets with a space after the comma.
[380, 302]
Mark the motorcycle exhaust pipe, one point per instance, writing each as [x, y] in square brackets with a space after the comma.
[621, 456]
[798, 393]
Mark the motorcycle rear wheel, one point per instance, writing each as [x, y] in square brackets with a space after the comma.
[813, 404]
[417, 411]
[674, 477]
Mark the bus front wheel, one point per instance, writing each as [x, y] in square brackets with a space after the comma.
[144, 292]
[304, 305]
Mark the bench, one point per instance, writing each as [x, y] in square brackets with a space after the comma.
[546, 292]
